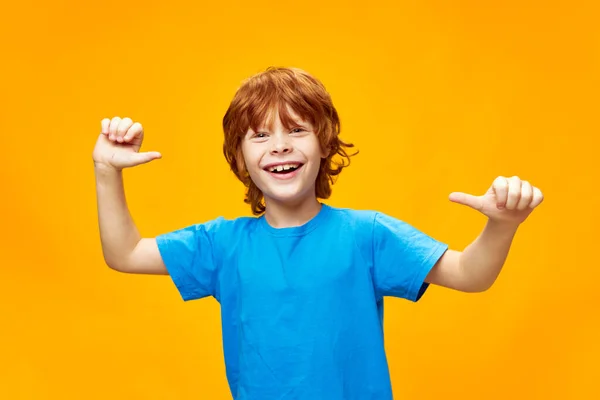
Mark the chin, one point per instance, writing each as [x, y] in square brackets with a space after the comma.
[292, 191]
[291, 197]
[284, 197]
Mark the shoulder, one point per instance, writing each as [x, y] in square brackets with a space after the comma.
[362, 219]
[370, 222]
[222, 223]
[223, 228]
[214, 230]
[369, 230]
[355, 224]
[353, 216]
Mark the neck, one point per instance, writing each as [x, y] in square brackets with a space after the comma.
[286, 215]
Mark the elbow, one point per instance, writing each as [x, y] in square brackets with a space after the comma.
[476, 289]
[118, 261]
[477, 286]
[116, 266]
[475, 280]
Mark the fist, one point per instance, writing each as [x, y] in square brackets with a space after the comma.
[119, 143]
[507, 200]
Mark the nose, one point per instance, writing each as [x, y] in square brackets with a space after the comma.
[281, 145]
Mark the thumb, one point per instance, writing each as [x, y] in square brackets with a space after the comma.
[466, 199]
[145, 157]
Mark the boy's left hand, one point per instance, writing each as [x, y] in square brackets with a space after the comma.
[508, 200]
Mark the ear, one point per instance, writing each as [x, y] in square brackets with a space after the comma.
[325, 152]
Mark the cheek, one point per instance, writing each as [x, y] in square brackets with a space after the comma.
[315, 151]
[249, 159]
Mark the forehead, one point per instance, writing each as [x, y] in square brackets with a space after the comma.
[276, 116]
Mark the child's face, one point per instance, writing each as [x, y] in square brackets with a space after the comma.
[282, 163]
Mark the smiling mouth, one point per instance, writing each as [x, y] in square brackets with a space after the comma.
[284, 168]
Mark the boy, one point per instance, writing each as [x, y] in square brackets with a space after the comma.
[300, 284]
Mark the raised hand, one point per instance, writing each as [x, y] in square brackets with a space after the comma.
[118, 145]
[507, 200]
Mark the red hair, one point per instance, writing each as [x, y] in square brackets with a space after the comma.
[276, 88]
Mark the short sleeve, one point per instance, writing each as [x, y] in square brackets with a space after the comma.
[189, 255]
[403, 256]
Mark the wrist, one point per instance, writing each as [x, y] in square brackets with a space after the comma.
[104, 168]
[509, 227]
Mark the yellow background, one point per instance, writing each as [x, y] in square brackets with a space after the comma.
[438, 96]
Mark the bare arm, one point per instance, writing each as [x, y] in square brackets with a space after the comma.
[476, 268]
[507, 204]
[123, 248]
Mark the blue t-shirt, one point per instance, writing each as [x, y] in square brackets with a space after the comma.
[302, 307]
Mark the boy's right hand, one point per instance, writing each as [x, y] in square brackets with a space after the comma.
[118, 145]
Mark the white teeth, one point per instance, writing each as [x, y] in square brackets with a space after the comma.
[283, 167]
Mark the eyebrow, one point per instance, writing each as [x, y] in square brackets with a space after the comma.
[296, 123]
[301, 122]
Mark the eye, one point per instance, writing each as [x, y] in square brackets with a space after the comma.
[298, 130]
[259, 135]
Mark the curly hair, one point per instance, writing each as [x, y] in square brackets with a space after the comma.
[278, 88]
